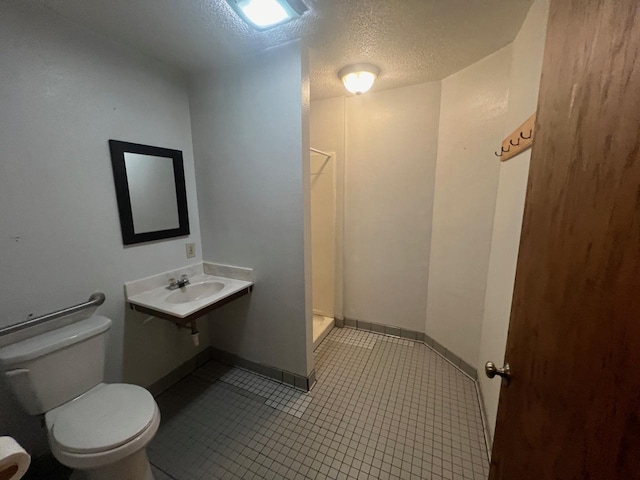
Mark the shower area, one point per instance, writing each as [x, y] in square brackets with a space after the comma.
[326, 225]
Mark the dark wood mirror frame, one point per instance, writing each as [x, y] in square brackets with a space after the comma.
[129, 237]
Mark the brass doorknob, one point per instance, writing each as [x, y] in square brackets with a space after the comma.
[505, 372]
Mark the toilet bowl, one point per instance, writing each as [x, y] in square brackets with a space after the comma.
[100, 430]
[105, 432]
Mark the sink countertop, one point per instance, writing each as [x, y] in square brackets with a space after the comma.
[152, 293]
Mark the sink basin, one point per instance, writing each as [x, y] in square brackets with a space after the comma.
[194, 292]
[205, 293]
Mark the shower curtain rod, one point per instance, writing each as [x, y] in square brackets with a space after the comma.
[328, 155]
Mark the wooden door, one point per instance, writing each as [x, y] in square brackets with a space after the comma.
[572, 410]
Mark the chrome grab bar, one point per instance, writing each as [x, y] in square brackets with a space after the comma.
[95, 300]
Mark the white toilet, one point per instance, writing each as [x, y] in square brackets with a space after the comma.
[100, 430]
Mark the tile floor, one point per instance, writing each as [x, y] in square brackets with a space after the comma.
[383, 408]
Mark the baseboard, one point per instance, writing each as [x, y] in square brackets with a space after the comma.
[485, 420]
[282, 376]
[447, 354]
[211, 353]
[297, 381]
[173, 377]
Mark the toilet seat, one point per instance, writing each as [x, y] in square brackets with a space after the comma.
[104, 418]
[102, 426]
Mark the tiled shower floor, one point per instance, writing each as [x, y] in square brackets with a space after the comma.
[383, 408]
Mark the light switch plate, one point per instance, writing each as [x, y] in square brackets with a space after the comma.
[191, 250]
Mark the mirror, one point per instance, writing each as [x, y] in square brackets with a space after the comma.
[151, 193]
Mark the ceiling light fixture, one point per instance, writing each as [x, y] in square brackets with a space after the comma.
[359, 78]
[264, 14]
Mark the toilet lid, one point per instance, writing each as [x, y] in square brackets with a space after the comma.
[104, 419]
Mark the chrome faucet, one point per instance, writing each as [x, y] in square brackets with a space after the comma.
[175, 284]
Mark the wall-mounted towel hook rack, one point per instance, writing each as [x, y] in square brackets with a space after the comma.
[516, 141]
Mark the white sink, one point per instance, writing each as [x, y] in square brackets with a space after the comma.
[194, 292]
[204, 290]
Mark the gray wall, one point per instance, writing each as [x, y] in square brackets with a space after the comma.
[64, 93]
[248, 123]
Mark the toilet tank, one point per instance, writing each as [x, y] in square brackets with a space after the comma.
[47, 370]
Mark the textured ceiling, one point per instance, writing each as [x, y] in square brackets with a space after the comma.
[412, 41]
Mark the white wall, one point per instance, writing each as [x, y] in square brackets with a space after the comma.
[64, 93]
[524, 84]
[391, 145]
[390, 154]
[252, 162]
[472, 114]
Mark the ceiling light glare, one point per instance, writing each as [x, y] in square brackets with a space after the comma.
[264, 14]
[359, 78]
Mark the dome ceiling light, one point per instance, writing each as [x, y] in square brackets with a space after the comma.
[358, 78]
[265, 14]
